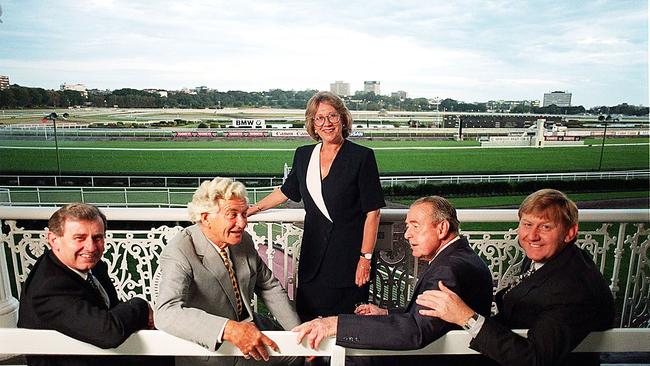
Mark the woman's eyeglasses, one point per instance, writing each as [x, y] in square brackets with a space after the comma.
[334, 118]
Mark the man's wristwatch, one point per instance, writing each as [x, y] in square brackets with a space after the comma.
[471, 321]
[368, 256]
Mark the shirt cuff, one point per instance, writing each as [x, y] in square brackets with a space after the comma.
[220, 335]
[476, 327]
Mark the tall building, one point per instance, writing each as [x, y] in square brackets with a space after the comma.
[76, 87]
[340, 88]
[371, 86]
[559, 98]
[4, 82]
[401, 94]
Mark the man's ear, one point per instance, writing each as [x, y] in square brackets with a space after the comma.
[204, 218]
[443, 229]
[52, 240]
[571, 234]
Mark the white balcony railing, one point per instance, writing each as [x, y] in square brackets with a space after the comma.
[617, 239]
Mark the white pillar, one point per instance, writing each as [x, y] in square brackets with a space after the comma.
[8, 303]
[539, 136]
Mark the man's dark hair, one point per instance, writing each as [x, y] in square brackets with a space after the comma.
[74, 211]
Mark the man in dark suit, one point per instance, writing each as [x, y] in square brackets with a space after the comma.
[560, 297]
[432, 232]
[68, 290]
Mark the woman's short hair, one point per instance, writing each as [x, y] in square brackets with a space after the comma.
[336, 102]
[441, 209]
[551, 204]
[207, 196]
[76, 211]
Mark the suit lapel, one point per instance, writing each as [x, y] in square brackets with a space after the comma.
[440, 258]
[212, 261]
[540, 277]
[75, 277]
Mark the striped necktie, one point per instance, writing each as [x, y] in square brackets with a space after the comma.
[92, 281]
[233, 279]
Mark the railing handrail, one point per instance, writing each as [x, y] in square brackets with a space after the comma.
[384, 179]
[298, 215]
[159, 343]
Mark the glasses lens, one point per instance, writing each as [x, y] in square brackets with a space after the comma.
[334, 117]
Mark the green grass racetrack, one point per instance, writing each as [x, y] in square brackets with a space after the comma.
[189, 158]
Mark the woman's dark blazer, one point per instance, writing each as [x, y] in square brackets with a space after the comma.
[331, 250]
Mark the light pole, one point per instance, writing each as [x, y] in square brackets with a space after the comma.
[602, 145]
[53, 116]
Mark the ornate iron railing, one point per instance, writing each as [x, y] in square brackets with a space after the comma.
[618, 241]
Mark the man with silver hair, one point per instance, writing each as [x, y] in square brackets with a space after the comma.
[209, 272]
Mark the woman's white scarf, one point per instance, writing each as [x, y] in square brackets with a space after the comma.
[314, 182]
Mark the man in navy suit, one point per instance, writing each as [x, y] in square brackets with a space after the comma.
[562, 298]
[432, 232]
[69, 290]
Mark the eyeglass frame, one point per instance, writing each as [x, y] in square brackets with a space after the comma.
[333, 118]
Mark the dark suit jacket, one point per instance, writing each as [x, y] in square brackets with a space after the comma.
[350, 190]
[54, 297]
[460, 269]
[560, 304]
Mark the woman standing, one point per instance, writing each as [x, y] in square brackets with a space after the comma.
[338, 182]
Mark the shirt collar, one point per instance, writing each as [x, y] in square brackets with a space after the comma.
[455, 239]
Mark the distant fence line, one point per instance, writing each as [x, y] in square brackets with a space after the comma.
[131, 181]
[128, 194]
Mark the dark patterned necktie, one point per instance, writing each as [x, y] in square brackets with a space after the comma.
[522, 277]
[233, 279]
[91, 281]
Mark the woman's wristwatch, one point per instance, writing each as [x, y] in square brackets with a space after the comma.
[368, 256]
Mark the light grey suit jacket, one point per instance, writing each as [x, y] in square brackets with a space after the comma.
[196, 297]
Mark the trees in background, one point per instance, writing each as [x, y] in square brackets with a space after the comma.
[17, 96]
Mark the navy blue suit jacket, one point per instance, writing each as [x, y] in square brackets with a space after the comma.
[459, 268]
[559, 304]
[54, 297]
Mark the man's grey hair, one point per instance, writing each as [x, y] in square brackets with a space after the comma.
[441, 209]
[207, 196]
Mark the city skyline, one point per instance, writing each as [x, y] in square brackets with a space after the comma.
[472, 51]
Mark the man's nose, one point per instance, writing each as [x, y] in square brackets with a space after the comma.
[90, 245]
[534, 233]
[242, 221]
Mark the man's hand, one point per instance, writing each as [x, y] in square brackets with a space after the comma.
[316, 330]
[370, 309]
[250, 341]
[362, 276]
[445, 304]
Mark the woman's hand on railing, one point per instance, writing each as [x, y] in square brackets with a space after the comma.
[370, 309]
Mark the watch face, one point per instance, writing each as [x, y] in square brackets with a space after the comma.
[367, 256]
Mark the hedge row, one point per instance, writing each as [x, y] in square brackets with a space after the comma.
[515, 188]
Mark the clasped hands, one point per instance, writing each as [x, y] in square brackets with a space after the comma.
[253, 343]
[320, 328]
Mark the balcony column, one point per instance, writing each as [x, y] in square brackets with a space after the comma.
[8, 304]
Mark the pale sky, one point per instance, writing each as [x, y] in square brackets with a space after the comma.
[469, 50]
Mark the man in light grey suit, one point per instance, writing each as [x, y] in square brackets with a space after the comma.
[209, 272]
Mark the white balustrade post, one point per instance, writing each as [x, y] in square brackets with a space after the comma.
[338, 356]
[8, 303]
